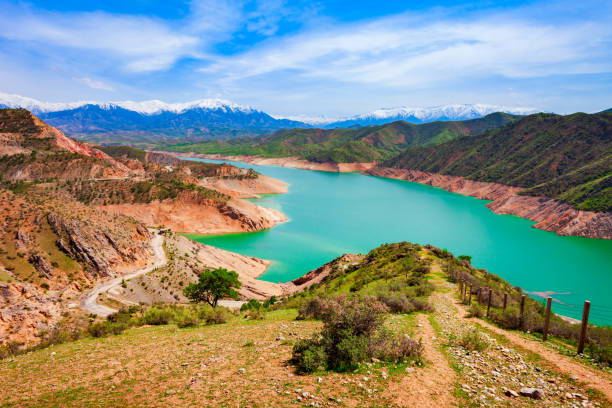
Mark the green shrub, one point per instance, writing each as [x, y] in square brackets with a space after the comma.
[475, 311]
[352, 332]
[156, 316]
[309, 356]
[186, 318]
[105, 328]
[474, 340]
[216, 316]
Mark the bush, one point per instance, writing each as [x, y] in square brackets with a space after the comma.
[309, 356]
[352, 332]
[250, 305]
[508, 319]
[156, 316]
[393, 347]
[216, 316]
[255, 314]
[474, 340]
[313, 308]
[103, 329]
[186, 318]
[475, 311]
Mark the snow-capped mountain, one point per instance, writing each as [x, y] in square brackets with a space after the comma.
[215, 118]
[200, 119]
[423, 115]
[150, 107]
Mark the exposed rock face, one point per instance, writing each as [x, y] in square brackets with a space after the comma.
[24, 312]
[41, 265]
[246, 187]
[162, 158]
[93, 247]
[293, 162]
[317, 275]
[188, 215]
[549, 214]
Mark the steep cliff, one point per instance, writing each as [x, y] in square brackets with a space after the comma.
[549, 214]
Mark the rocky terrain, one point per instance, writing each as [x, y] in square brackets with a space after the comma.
[549, 214]
[293, 162]
[245, 361]
[74, 215]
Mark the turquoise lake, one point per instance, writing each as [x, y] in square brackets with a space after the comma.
[331, 214]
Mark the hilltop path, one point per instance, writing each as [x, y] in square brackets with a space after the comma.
[89, 300]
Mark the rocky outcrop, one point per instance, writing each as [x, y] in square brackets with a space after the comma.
[292, 162]
[245, 187]
[25, 312]
[188, 215]
[95, 248]
[549, 215]
[317, 275]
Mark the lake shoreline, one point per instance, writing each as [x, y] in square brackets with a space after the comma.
[548, 214]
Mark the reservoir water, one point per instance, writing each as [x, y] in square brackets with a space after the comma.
[332, 213]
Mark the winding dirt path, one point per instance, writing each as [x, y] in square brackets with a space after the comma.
[593, 378]
[89, 300]
[430, 386]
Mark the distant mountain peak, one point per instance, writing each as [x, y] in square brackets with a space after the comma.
[149, 107]
[418, 114]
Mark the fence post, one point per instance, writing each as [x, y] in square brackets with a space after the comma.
[470, 296]
[583, 329]
[489, 301]
[505, 301]
[522, 311]
[547, 319]
[461, 289]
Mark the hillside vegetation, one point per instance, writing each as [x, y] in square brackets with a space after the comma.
[392, 334]
[340, 145]
[564, 157]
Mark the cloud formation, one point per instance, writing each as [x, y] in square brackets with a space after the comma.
[406, 51]
[292, 58]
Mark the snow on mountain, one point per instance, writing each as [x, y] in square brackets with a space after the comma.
[417, 115]
[448, 112]
[150, 107]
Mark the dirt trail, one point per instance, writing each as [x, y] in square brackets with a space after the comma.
[430, 386]
[593, 378]
[89, 301]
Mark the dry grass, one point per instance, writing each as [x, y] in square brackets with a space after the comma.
[167, 366]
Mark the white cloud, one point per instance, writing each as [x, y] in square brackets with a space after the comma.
[94, 84]
[410, 50]
[139, 44]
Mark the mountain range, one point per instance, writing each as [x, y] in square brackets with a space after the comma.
[342, 145]
[157, 122]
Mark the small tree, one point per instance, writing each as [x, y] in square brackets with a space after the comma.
[212, 286]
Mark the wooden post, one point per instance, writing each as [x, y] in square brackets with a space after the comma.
[583, 329]
[522, 311]
[470, 296]
[489, 301]
[505, 301]
[461, 289]
[547, 319]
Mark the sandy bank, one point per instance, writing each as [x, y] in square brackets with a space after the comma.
[247, 187]
[549, 214]
[292, 162]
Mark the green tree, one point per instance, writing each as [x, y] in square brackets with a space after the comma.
[212, 286]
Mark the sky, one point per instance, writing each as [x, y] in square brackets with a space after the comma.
[311, 58]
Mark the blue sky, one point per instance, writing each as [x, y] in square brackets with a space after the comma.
[311, 58]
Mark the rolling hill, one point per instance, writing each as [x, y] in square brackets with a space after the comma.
[372, 143]
[568, 158]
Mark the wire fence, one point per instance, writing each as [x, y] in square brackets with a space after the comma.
[511, 309]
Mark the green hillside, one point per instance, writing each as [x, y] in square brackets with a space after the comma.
[340, 145]
[563, 157]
